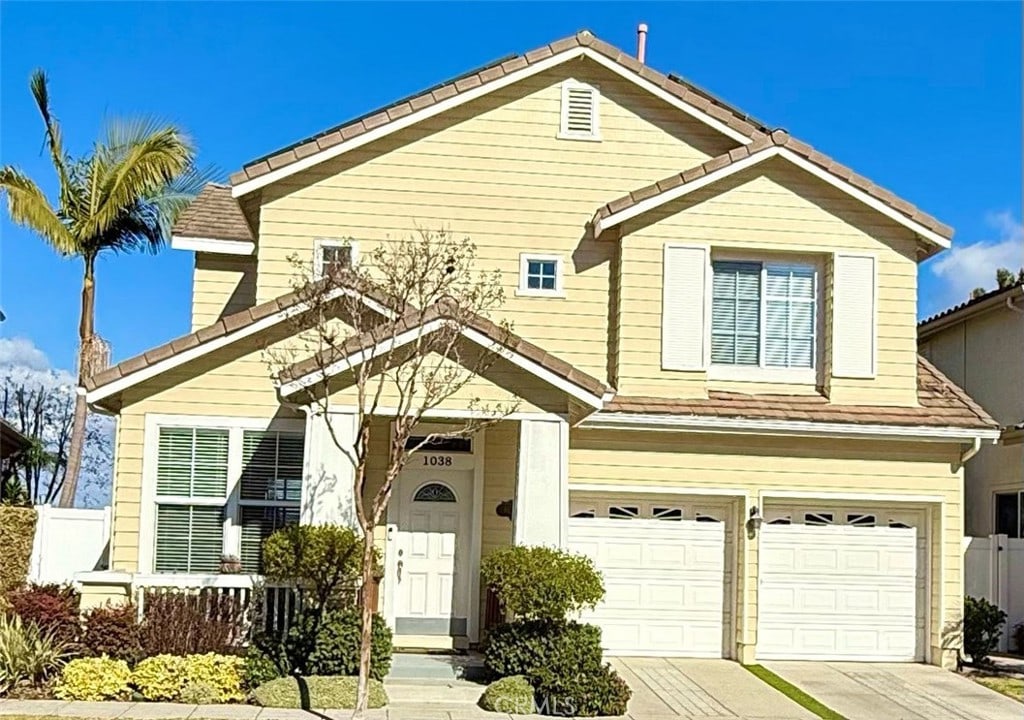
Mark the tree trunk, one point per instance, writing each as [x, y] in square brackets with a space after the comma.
[85, 333]
[366, 608]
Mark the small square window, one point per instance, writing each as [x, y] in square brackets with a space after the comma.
[540, 275]
[332, 255]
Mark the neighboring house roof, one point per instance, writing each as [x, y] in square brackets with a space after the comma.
[957, 313]
[216, 216]
[12, 441]
[417, 324]
[763, 148]
[942, 404]
[1012, 434]
[700, 102]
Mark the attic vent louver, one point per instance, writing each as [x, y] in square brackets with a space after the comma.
[580, 119]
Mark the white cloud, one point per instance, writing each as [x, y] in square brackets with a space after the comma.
[965, 267]
[22, 352]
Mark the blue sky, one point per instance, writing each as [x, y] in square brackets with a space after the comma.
[925, 99]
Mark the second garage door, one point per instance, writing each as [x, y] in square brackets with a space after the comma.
[664, 577]
[840, 585]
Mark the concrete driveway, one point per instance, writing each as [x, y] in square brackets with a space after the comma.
[670, 688]
[868, 691]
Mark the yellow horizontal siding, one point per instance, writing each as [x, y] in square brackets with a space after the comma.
[778, 208]
[221, 285]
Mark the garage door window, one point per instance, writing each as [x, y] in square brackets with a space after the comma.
[818, 518]
[667, 513]
[860, 520]
[623, 512]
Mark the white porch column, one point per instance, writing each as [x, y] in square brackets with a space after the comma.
[542, 483]
[328, 495]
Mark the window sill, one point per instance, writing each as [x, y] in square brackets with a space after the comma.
[785, 376]
[520, 292]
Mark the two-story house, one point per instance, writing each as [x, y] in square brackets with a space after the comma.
[979, 344]
[715, 355]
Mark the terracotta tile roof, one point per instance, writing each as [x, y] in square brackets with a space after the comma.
[673, 84]
[442, 311]
[942, 404]
[777, 138]
[214, 214]
[1017, 287]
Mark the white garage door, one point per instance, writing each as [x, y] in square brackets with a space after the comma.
[840, 585]
[664, 578]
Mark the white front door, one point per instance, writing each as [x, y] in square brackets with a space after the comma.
[429, 551]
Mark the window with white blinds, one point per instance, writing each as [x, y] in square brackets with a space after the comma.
[223, 491]
[269, 489]
[764, 314]
[580, 119]
[191, 489]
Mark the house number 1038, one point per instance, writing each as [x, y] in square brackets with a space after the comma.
[437, 460]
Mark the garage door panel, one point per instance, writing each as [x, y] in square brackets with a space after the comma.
[664, 584]
[838, 592]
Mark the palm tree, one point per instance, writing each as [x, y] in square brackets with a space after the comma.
[123, 196]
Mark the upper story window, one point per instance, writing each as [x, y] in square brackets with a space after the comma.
[540, 275]
[580, 112]
[764, 315]
[333, 254]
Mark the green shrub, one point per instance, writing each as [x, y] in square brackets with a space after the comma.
[94, 678]
[542, 582]
[259, 668]
[324, 560]
[160, 677]
[581, 691]
[983, 624]
[522, 647]
[51, 607]
[1018, 638]
[171, 678]
[28, 656]
[331, 646]
[114, 631]
[316, 692]
[17, 532]
[511, 695]
[199, 693]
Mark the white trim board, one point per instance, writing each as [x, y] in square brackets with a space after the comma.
[248, 186]
[602, 224]
[656, 490]
[804, 428]
[213, 245]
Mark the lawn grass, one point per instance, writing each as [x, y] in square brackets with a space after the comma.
[1011, 687]
[794, 693]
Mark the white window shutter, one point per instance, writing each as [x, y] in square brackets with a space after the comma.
[854, 307]
[684, 299]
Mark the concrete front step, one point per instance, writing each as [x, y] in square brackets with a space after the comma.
[402, 691]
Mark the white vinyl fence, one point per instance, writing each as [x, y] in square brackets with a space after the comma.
[994, 570]
[67, 541]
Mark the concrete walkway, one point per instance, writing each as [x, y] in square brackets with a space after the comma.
[670, 688]
[895, 691]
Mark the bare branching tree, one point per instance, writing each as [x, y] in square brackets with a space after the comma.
[392, 336]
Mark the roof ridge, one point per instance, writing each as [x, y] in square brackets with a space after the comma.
[971, 302]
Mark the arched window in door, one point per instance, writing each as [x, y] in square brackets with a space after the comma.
[434, 492]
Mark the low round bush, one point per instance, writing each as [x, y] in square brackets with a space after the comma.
[222, 674]
[316, 692]
[160, 677]
[259, 668]
[199, 693]
[511, 695]
[542, 582]
[331, 646]
[113, 630]
[983, 625]
[522, 647]
[94, 679]
[581, 692]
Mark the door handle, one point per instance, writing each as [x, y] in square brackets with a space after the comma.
[399, 568]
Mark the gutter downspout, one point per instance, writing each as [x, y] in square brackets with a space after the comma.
[1010, 304]
[970, 452]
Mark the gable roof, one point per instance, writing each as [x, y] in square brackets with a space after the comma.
[942, 405]
[335, 140]
[476, 328]
[955, 314]
[214, 216]
[778, 143]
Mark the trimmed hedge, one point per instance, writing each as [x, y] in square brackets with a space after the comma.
[17, 531]
[316, 692]
[512, 695]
